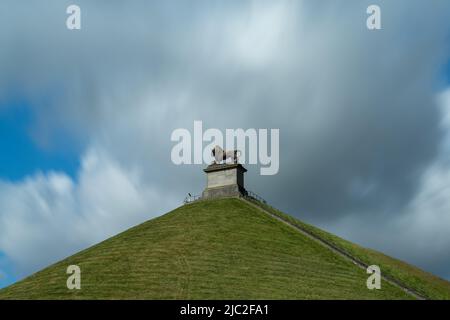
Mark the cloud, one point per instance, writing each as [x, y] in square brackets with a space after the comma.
[356, 109]
[419, 232]
[49, 216]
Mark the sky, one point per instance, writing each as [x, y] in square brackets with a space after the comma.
[86, 118]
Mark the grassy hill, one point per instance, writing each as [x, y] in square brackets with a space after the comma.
[223, 249]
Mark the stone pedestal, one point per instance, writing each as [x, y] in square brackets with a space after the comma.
[224, 180]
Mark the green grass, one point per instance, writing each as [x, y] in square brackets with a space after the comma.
[222, 249]
[424, 283]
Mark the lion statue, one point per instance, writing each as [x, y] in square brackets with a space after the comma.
[222, 155]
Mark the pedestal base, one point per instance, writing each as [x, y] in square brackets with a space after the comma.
[223, 192]
[224, 180]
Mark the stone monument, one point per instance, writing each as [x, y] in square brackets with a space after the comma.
[224, 179]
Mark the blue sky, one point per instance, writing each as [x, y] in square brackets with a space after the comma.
[21, 156]
[7, 274]
[446, 71]
[89, 157]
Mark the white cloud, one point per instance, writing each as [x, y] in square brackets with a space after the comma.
[49, 216]
[257, 38]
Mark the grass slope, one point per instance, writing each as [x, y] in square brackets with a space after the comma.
[222, 249]
[425, 283]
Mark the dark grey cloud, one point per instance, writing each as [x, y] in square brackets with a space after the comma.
[357, 111]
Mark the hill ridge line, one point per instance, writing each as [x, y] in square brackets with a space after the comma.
[335, 249]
